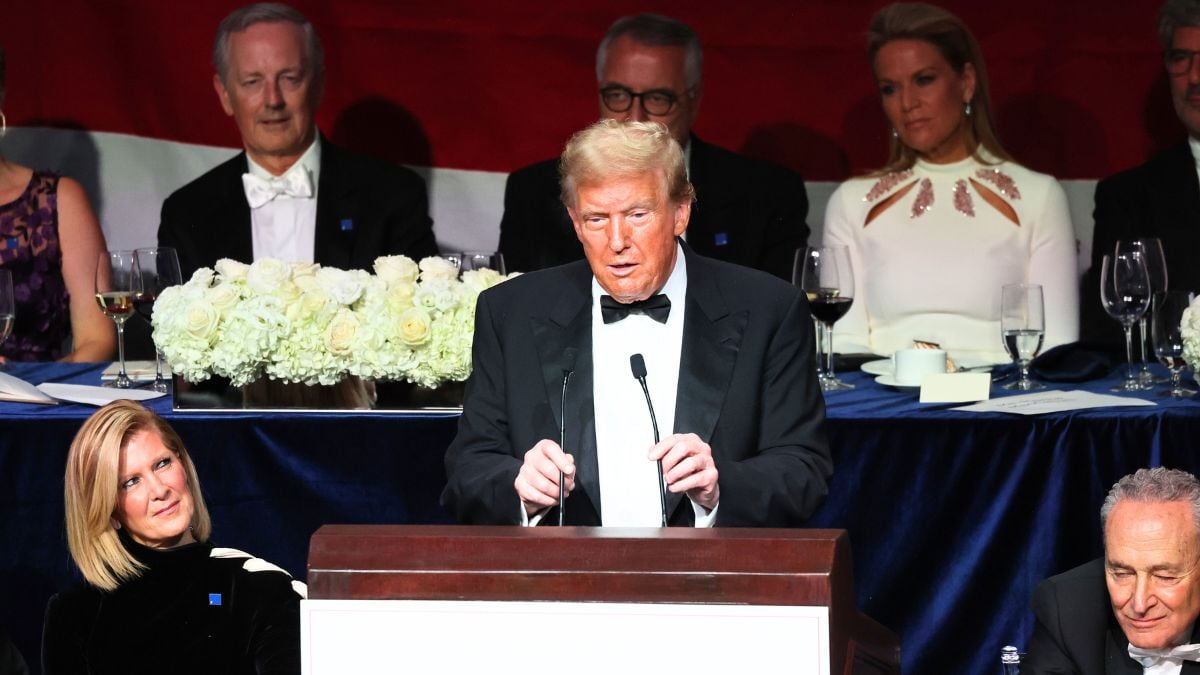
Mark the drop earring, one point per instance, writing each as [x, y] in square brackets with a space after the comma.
[967, 108]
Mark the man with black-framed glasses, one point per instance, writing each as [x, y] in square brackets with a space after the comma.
[1160, 198]
[648, 69]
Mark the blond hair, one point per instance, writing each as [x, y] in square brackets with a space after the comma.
[609, 150]
[950, 36]
[91, 486]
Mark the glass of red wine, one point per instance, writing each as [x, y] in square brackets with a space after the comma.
[824, 274]
[114, 293]
[158, 269]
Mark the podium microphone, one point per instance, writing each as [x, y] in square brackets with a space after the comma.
[569, 355]
[637, 364]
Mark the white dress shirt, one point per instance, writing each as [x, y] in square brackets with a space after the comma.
[285, 228]
[1194, 146]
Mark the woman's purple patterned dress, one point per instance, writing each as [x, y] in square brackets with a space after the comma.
[29, 249]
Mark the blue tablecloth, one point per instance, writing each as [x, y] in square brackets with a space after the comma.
[953, 517]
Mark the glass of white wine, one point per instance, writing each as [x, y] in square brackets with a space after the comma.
[8, 310]
[115, 278]
[1168, 337]
[1022, 326]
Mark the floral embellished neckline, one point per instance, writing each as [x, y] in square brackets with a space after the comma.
[1002, 183]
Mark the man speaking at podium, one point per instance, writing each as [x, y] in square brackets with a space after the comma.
[576, 367]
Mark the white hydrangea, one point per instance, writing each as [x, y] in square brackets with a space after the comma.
[301, 322]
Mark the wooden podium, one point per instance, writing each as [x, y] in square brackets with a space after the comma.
[546, 568]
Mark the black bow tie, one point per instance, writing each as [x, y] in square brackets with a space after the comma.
[657, 307]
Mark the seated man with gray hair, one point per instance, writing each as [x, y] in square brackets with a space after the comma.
[726, 352]
[1134, 610]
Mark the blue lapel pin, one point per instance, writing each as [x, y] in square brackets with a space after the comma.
[720, 239]
[347, 224]
[214, 599]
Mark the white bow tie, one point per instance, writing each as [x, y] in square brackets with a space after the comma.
[1153, 657]
[295, 183]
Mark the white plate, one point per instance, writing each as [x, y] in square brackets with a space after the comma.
[889, 381]
[877, 367]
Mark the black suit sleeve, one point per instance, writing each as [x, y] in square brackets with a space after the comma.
[274, 640]
[783, 480]
[787, 226]
[409, 227]
[1047, 654]
[481, 466]
[174, 231]
[518, 241]
[1116, 217]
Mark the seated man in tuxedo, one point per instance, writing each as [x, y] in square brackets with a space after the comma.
[746, 211]
[291, 195]
[728, 353]
[1160, 198]
[1134, 610]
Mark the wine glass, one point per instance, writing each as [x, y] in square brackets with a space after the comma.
[1168, 337]
[478, 260]
[1022, 326]
[1125, 293]
[824, 274]
[114, 292]
[157, 269]
[1156, 266]
[455, 259]
[8, 310]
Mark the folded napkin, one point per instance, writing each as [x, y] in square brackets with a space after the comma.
[1073, 362]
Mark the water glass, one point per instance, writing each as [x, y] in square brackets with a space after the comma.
[1022, 327]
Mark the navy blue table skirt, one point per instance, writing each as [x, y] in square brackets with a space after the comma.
[953, 517]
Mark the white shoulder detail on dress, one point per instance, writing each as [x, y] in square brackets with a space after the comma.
[218, 552]
[301, 589]
[252, 564]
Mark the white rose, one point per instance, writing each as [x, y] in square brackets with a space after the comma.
[400, 297]
[201, 277]
[267, 275]
[435, 267]
[414, 326]
[303, 269]
[223, 296]
[342, 286]
[232, 269]
[340, 334]
[396, 269]
[200, 319]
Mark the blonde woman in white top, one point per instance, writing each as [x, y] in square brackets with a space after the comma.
[951, 218]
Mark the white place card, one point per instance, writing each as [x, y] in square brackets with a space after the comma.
[1053, 401]
[97, 396]
[956, 387]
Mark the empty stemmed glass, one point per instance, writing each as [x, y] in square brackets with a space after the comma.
[114, 294]
[1151, 250]
[478, 260]
[1022, 326]
[157, 270]
[1168, 337]
[1125, 294]
[8, 310]
[824, 274]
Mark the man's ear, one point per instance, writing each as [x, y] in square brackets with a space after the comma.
[683, 214]
[575, 223]
[222, 94]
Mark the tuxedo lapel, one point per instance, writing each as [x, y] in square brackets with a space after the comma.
[711, 196]
[1177, 188]
[568, 325]
[336, 213]
[712, 335]
[232, 237]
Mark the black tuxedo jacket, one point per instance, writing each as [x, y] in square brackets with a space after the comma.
[366, 208]
[1160, 198]
[747, 386]
[746, 212]
[1076, 631]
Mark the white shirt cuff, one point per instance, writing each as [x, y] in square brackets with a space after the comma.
[704, 517]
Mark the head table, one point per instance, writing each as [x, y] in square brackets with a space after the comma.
[953, 516]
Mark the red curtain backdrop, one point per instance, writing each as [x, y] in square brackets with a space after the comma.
[1078, 84]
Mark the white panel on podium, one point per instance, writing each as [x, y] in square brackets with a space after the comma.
[367, 637]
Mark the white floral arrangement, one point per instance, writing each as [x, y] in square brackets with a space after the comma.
[1189, 330]
[304, 323]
